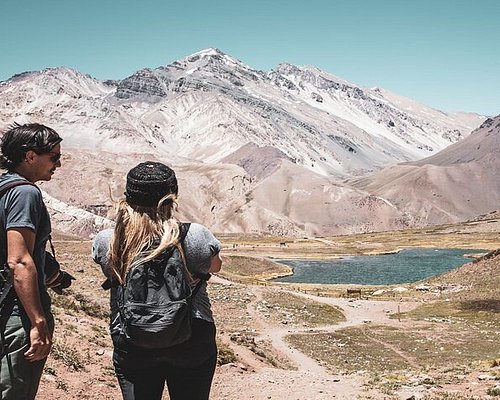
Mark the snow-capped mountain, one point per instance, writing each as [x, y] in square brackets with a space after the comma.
[266, 151]
[209, 105]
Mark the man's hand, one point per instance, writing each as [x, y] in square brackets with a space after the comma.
[40, 342]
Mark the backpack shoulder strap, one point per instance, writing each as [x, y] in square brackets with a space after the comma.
[5, 188]
[5, 275]
[202, 278]
[184, 228]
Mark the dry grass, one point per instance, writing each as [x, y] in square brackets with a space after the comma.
[473, 314]
[225, 354]
[451, 396]
[68, 354]
[349, 350]
[286, 308]
[461, 236]
[394, 356]
[252, 269]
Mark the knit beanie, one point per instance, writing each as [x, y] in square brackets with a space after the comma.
[148, 183]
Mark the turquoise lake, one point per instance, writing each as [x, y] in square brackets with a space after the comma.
[409, 265]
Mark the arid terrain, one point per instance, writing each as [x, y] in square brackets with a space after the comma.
[436, 339]
[294, 151]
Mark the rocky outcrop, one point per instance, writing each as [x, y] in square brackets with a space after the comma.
[74, 220]
[142, 83]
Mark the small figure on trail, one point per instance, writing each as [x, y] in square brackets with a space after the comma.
[157, 269]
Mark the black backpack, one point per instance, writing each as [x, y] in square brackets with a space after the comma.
[155, 300]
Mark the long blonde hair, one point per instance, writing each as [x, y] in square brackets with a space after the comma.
[137, 229]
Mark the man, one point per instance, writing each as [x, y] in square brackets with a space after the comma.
[29, 153]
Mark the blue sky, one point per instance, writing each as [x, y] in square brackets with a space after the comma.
[444, 53]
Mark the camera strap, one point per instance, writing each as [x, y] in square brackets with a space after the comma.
[52, 247]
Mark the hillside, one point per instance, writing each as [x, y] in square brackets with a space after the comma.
[480, 279]
[456, 184]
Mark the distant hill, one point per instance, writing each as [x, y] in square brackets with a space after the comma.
[458, 183]
[481, 279]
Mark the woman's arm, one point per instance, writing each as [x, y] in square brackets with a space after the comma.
[215, 263]
[100, 248]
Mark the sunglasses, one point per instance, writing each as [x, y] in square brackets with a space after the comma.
[54, 157]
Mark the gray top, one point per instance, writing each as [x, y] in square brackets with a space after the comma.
[23, 207]
[200, 246]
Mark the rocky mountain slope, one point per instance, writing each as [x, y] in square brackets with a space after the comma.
[458, 183]
[256, 151]
[209, 105]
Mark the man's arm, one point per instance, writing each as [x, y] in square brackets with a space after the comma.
[20, 244]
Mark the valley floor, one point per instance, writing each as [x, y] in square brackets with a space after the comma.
[300, 342]
[252, 378]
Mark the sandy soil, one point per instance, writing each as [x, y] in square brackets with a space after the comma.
[246, 380]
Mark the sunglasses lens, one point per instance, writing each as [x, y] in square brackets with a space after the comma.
[55, 157]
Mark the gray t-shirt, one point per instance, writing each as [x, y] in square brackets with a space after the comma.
[199, 245]
[23, 207]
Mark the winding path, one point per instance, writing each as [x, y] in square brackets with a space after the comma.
[357, 312]
[316, 382]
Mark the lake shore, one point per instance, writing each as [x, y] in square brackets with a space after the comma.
[403, 267]
[378, 243]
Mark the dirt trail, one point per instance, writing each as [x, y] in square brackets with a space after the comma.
[357, 312]
[311, 380]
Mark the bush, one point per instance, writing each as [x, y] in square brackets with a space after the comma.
[225, 354]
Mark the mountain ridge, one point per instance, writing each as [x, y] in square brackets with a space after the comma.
[456, 184]
[282, 145]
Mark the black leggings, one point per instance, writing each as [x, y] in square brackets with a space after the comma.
[188, 368]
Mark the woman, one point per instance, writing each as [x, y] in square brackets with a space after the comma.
[145, 228]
